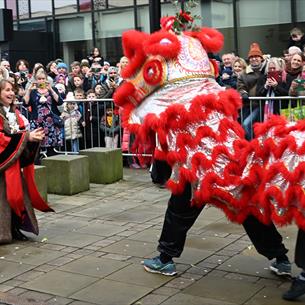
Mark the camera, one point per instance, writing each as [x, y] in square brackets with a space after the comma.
[42, 85]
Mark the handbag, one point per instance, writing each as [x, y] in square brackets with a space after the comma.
[294, 114]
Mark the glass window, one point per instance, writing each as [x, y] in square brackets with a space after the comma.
[84, 5]
[259, 12]
[11, 4]
[2, 4]
[300, 8]
[23, 7]
[107, 24]
[33, 25]
[65, 6]
[222, 14]
[258, 24]
[117, 3]
[75, 28]
[41, 8]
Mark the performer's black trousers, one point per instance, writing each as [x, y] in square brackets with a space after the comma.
[180, 216]
[299, 255]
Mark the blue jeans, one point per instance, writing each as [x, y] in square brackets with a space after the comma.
[249, 116]
[75, 145]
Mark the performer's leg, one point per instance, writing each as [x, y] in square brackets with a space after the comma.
[179, 218]
[297, 288]
[268, 242]
[265, 238]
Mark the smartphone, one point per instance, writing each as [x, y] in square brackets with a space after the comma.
[42, 85]
[96, 70]
[300, 83]
[276, 75]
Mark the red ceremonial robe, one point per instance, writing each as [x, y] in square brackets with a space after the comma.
[18, 191]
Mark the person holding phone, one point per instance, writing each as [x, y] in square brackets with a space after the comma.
[93, 76]
[110, 84]
[43, 100]
[297, 87]
[272, 83]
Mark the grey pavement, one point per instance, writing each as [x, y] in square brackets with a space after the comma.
[90, 252]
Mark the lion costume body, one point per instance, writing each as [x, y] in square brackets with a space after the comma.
[170, 90]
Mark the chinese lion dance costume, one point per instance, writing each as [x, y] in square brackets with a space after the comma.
[170, 90]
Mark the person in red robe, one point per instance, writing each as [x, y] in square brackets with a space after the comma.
[18, 192]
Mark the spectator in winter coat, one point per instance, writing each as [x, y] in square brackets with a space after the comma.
[72, 121]
[273, 83]
[246, 86]
[111, 128]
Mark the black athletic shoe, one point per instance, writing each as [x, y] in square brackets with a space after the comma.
[296, 290]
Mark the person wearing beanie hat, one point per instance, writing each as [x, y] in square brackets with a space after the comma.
[255, 50]
[62, 68]
[246, 86]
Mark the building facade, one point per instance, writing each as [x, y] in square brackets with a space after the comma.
[76, 26]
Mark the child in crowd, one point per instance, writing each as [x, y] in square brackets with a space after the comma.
[72, 120]
[77, 82]
[62, 69]
[92, 117]
[61, 88]
[110, 125]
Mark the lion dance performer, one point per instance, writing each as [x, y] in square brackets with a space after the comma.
[170, 90]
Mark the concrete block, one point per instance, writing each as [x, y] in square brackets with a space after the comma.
[41, 181]
[105, 164]
[67, 174]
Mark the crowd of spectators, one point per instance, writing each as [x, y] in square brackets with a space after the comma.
[61, 99]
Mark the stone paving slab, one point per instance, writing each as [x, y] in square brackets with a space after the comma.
[66, 224]
[135, 274]
[34, 256]
[101, 229]
[150, 234]
[223, 225]
[210, 243]
[131, 216]
[73, 239]
[94, 266]
[106, 292]
[270, 295]
[131, 247]
[193, 256]
[60, 283]
[223, 290]
[96, 212]
[184, 299]
[9, 270]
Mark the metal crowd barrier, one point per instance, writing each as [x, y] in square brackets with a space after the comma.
[282, 105]
[93, 133]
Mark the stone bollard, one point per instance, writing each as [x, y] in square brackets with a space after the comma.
[41, 181]
[105, 164]
[67, 174]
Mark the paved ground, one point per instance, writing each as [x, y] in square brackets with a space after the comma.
[89, 252]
